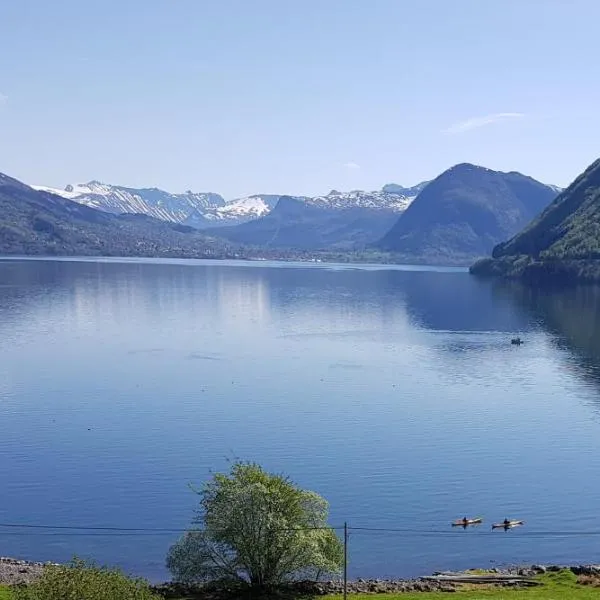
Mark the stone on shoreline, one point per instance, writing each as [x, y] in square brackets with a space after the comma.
[17, 572]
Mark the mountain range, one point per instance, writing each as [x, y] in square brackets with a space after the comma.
[454, 219]
[464, 213]
[206, 209]
[336, 221]
[562, 244]
[175, 208]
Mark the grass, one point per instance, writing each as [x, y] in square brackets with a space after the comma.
[555, 586]
[4, 593]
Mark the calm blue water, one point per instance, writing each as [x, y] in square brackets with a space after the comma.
[394, 393]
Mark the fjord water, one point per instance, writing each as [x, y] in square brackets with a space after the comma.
[395, 393]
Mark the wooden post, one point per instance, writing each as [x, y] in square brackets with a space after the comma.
[345, 561]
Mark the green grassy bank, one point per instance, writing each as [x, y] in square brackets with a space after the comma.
[555, 586]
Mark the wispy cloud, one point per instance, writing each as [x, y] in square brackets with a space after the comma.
[476, 122]
[352, 166]
[3, 99]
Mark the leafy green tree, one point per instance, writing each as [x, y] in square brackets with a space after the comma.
[257, 528]
[84, 581]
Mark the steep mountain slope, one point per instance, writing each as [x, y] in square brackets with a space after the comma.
[463, 213]
[175, 208]
[38, 222]
[563, 243]
[336, 221]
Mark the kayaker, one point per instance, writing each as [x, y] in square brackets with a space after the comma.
[465, 521]
[506, 522]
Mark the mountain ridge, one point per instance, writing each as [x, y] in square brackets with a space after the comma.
[204, 210]
[154, 202]
[336, 221]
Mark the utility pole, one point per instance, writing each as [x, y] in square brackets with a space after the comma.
[345, 561]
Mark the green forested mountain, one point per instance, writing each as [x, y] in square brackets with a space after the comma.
[464, 213]
[562, 244]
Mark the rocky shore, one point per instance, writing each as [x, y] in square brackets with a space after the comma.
[306, 589]
[447, 581]
[15, 572]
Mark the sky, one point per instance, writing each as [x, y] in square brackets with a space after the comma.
[295, 96]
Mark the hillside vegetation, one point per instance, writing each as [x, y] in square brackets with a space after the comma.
[562, 244]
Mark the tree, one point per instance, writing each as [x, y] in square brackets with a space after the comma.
[84, 581]
[256, 528]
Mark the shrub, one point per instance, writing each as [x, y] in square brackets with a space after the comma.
[81, 580]
[258, 529]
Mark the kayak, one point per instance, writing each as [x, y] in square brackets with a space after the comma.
[508, 525]
[461, 523]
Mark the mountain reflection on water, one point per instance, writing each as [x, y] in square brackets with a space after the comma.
[395, 393]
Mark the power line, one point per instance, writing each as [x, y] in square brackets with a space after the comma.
[397, 530]
[77, 534]
[90, 530]
[137, 530]
[449, 532]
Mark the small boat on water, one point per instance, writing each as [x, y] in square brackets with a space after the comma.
[516, 341]
[507, 525]
[467, 522]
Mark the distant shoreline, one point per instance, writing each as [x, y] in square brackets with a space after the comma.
[391, 266]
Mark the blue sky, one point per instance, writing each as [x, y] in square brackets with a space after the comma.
[295, 96]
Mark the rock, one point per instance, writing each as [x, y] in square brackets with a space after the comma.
[16, 572]
[421, 586]
[554, 569]
[586, 570]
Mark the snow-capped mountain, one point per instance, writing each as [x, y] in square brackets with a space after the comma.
[377, 200]
[244, 209]
[176, 208]
[203, 210]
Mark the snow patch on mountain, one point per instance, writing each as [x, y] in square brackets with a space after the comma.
[377, 200]
[57, 192]
[243, 209]
[153, 202]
